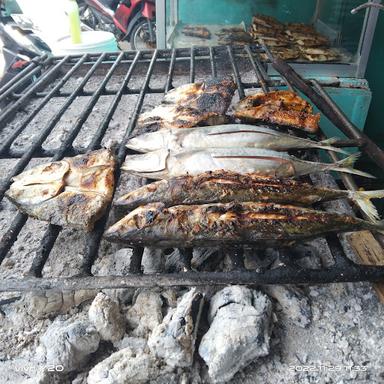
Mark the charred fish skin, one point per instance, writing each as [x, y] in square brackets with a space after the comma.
[190, 105]
[232, 224]
[223, 186]
[73, 192]
[278, 107]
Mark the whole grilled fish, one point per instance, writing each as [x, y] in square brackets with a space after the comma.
[190, 105]
[256, 224]
[163, 164]
[224, 187]
[224, 136]
[72, 192]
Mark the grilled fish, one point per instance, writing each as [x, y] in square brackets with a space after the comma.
[268, 22]
[319, 54]
[196, 31]
[190, 105]
[224, 136]
[72, 192]
[278, 107]
[284, 53]
[223, 187]
[211, 225]
[163, 164]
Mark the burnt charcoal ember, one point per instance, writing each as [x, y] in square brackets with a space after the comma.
[239, 331]
[294, 303]
[153, 260]
[70, 343]
[201, 255]
[176, 260]
[174, 339]
[307, 256]
[105, 315]
[259, 259]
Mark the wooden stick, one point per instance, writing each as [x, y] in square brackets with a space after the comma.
[370, 252]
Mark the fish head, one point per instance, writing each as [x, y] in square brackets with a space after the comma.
[151, 141]
[147, 164]
[136, 226]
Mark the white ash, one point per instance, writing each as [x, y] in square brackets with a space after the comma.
[295, 305]
[239, 331]
[105, 315]
[135, 343]
[229, 295]
[174, 339]
[124, 366]
[70, 343]
[145, 314]
[116, 264]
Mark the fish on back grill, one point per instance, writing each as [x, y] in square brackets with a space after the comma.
[224, 187]
[190, 105]
[164, 164]
[71, 192]
[224, 136]
[211, 225]
[278, 107]
[196, 31]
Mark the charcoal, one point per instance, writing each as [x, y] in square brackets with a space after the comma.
[294, 303]
[70, 343]
[145, 314]
[174, 339]
[105, 315]
[238, 334]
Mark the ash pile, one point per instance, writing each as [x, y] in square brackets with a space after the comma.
[193, 335]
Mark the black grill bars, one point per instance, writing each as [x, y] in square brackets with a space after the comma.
[47, 78]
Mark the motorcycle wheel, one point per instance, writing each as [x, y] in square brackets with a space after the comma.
[140, 37]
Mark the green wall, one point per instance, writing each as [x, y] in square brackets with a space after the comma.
[374, 126]
[236, 11]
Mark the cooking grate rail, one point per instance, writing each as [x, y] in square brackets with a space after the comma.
[50, 72]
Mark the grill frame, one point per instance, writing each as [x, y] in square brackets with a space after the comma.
[343, 268]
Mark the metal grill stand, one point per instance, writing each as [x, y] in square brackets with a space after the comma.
[43, 79]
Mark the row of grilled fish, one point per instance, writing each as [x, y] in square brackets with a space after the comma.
[207, 102]
[226, 184]
[241, 202]
[209, 209]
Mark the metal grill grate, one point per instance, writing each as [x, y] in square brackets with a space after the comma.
[47, 78]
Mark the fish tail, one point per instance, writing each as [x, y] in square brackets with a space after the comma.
[363, 200]
[377, 227]
[328, 145]
[345, 165]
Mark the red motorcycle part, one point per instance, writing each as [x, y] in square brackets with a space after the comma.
[149, 10]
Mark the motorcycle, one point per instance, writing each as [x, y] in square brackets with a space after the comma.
[18, 46]
[128, 20]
